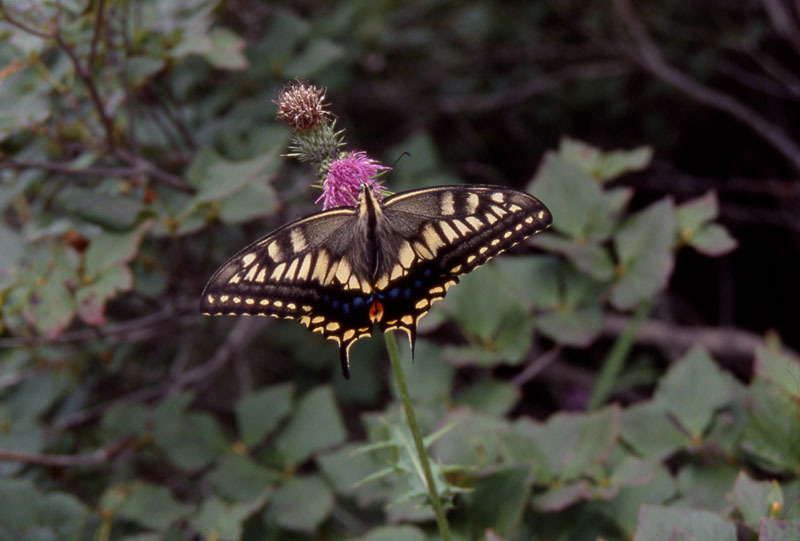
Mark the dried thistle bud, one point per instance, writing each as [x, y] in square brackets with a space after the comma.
[301, 106]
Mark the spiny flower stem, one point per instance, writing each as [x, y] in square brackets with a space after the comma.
[411, 417]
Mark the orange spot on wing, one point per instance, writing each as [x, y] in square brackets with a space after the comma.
[376, 311]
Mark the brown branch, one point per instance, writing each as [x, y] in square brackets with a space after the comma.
[198, 377]
[537, 85]
[721, 341]
[94, 171]
[537, 365]
[651, 59]
[98, 29]
[780, 17]
[99, 457]
[132, 330]
[22, 26]
[167, 178]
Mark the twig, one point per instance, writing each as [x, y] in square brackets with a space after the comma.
[94, 171]
[651, 59]
[22, 26]
[538, 365]
[98, 457]
[242, 333]
[782, 22]
[537, 85]
[116, 333]
[157, 173]
[98, 28]
[724, 342]
[199, 377]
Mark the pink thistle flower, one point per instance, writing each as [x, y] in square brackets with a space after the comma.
[345, 177]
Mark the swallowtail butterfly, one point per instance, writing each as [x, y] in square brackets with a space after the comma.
[343, 270]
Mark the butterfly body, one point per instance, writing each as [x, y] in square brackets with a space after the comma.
[341, 271]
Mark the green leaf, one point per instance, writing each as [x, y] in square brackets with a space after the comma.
[692, 390]
[571, 445]
[116, 212]
[260, 412]
[253, 201]
[67, 515]
[754, 499]
[771, 435]
[571, 195]
[590, 259]
[51, 308]
[218, 520]
[217, 178]
[696, 213]
[285, 31]
[344, 468]
[644, 247]
[713, 240]
[19, 509]
[23, 435]
[111, 249]
[193, 442]
[624, 508]
[148, 505]
[604, 165]
[473, 438]
[318, 54]
[429, 378]
[489, 396]
[778, 530]
[705, 486]
[577, 327]
[315, 425]
[239, 478]
[139, 69]
[11, 249]
[124, 418]
[659, 522]
[227, 50]
[498, 502]
[394, 533]
[491, 315]
[780, 368]
[92, 298]
[301, 504]
[221, 47]
[647, 427]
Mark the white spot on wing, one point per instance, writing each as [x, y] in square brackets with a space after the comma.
[298, 241]
[449, 232]
[447, 204]
[248, 259]
[274, 251]
[462, 227]
[472, 203]
[406, 255]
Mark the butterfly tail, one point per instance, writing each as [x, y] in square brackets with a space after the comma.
[344, 358]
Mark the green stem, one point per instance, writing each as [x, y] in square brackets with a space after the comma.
[615, 360]
[411, 417]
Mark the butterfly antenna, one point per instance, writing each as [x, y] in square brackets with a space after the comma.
[405, 154]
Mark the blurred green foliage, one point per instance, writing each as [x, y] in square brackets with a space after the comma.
[139, 153]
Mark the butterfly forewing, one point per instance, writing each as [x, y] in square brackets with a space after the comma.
[302, 271]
